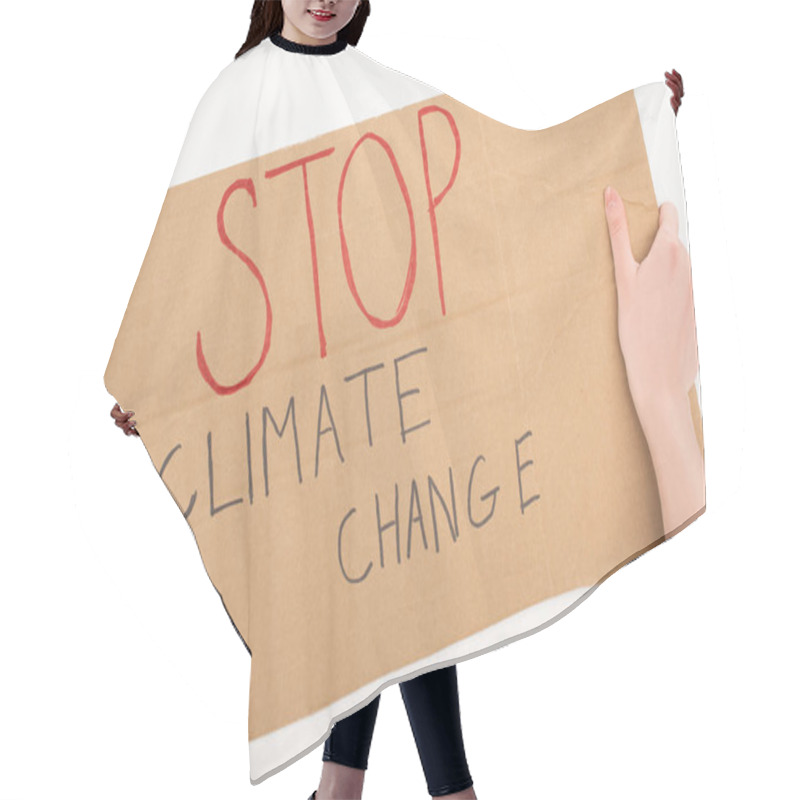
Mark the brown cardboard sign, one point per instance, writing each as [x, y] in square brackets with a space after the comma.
[379, 371]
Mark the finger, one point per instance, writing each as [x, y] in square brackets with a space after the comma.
[624, 263]
[675, 78]
[667, 222]
[118, 413]
[676, 90]
[674, 101]
[124, 421]
[668, 218]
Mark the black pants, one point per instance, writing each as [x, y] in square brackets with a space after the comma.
[432, 706]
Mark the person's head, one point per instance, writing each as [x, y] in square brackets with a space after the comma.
[295, 20]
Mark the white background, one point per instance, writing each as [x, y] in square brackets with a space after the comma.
[120, 673]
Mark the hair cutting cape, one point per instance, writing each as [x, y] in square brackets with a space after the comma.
[374, 356]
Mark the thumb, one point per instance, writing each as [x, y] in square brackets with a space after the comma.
[624, 263]
[667, 221]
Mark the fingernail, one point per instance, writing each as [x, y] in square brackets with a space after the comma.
[609, 195]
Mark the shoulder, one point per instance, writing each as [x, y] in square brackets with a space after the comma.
[240, 78]
[223, 119]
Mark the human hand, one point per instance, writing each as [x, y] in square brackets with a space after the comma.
[659, 344]
[122, 419]
[656, 307]
[675, 82]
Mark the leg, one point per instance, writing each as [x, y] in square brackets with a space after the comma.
[346, 753]
[435, 716]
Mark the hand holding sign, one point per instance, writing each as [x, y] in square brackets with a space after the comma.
[659, 345]
[122, 419]
[656, 306]
[675, 82]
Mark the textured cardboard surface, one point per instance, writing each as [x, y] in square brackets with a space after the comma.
[379, 372]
